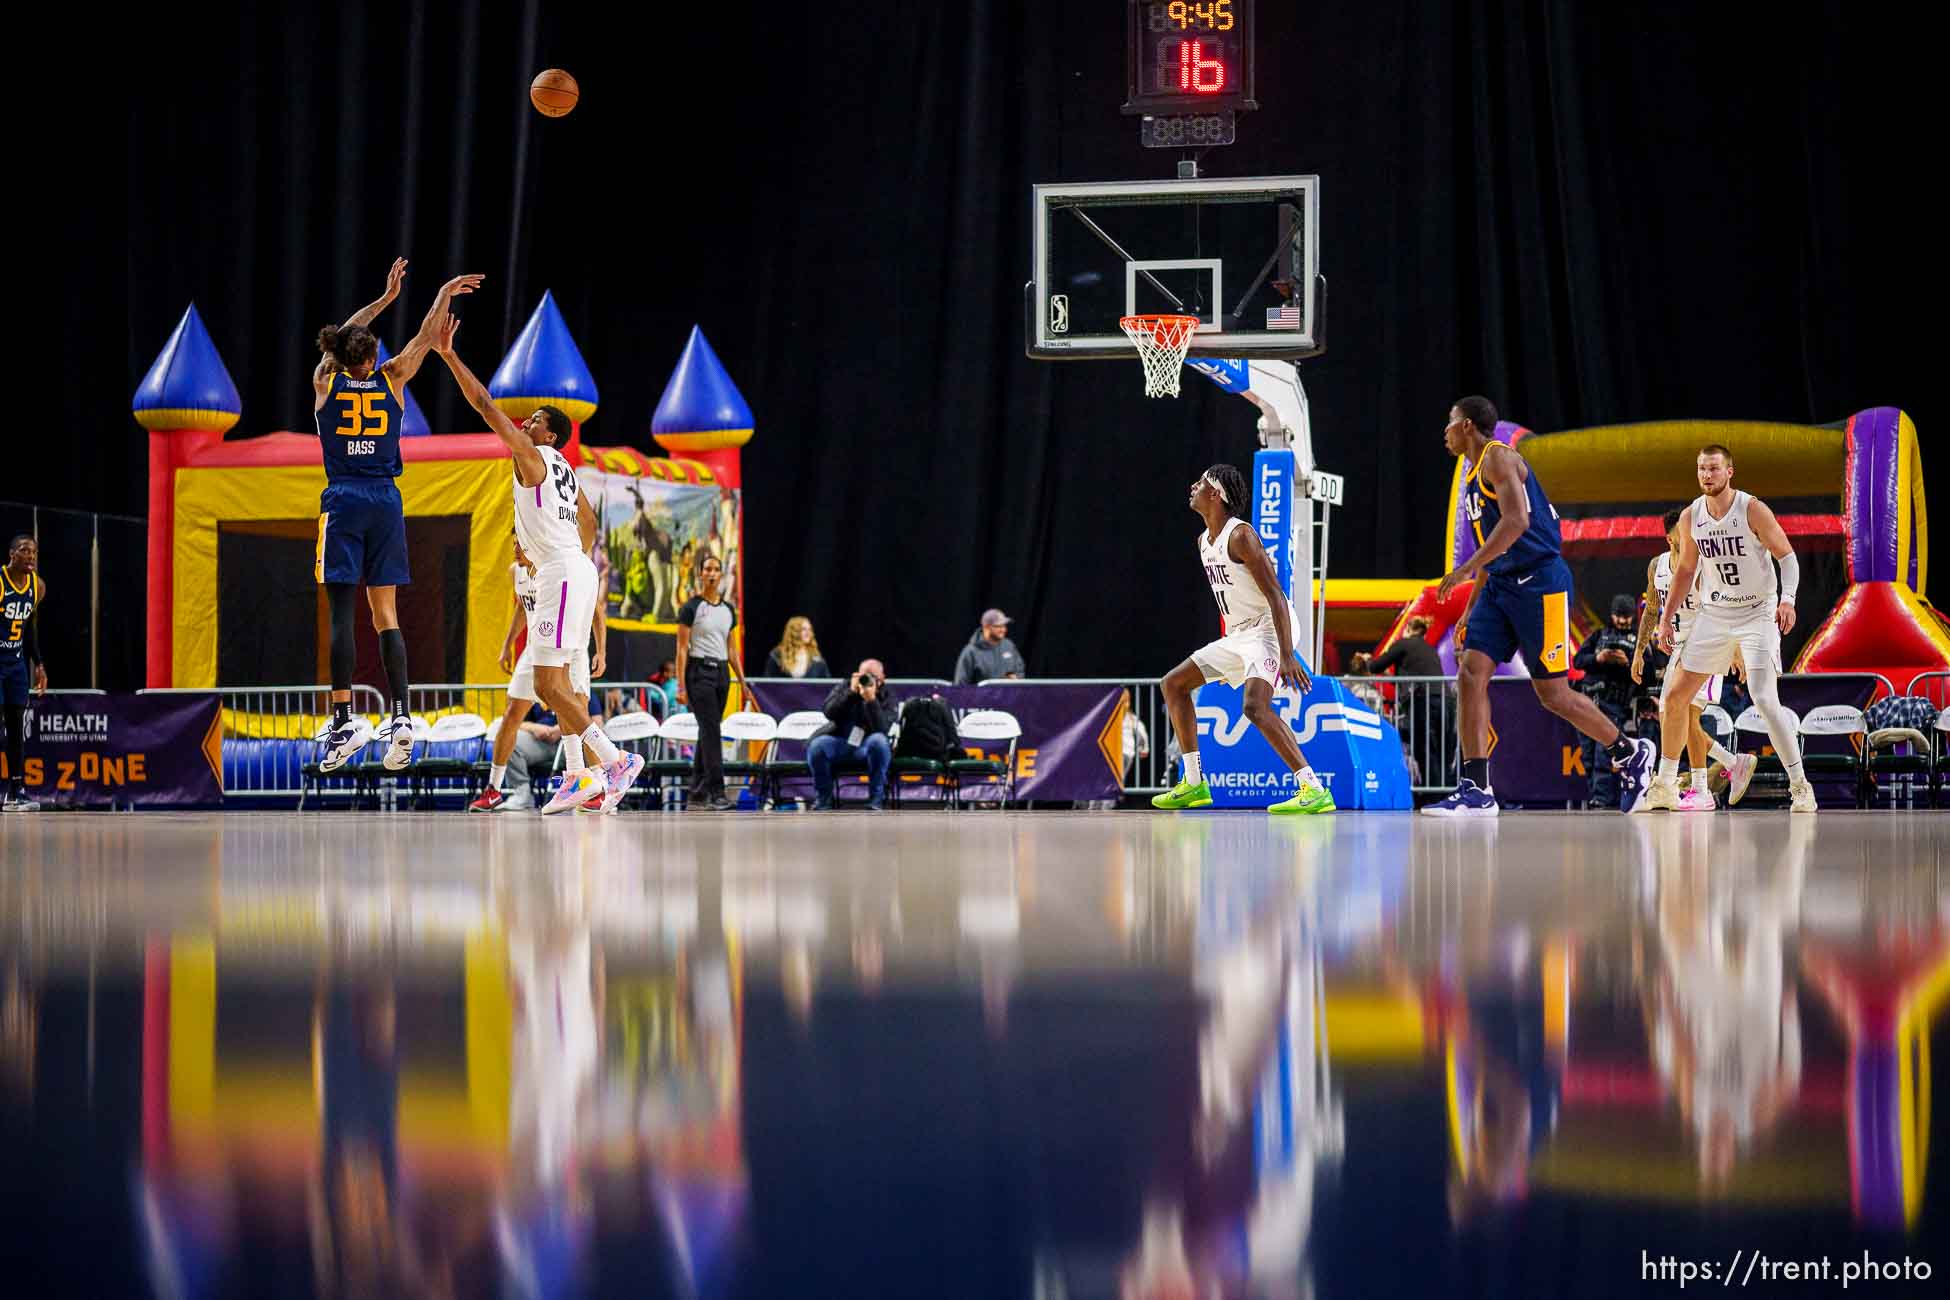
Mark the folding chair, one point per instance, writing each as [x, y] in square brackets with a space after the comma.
[1752, 722]
[987, 725]
[635, 732]
[1900, 747]
[750, 728]
[1941, 763]
[794, 729]
[910, 764]
[451, 762]
[1837, 720]
[669, 763]
[316, 778]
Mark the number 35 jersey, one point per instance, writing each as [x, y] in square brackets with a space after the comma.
[358, 427]
[1736, 574]
[546, 518]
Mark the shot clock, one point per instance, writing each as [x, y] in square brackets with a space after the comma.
[1189, 66]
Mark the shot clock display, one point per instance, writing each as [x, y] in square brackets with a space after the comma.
[1189, 57]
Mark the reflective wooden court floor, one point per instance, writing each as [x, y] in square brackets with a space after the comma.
[1048, 1054]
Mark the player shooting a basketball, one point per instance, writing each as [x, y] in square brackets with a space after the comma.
[550, 516]
[1257, 648]
[358, 406]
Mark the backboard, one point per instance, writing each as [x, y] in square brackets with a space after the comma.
[1241, 254]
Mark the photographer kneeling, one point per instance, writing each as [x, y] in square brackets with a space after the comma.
[858, 715]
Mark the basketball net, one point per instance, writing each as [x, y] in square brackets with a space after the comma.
[1162, 342]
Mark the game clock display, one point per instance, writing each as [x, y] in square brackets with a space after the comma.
[1191, 57]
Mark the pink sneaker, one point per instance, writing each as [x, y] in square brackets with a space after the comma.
[585, 786]
[621, 775]
[1695, 800]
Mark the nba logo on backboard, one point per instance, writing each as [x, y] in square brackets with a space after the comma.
[1059, 313]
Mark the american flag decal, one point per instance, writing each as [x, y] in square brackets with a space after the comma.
[1283, 318]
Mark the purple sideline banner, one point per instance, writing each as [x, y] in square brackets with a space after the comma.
[1072, 736]
[149, 751]
[1535, 756]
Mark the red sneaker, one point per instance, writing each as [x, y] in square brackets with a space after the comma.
[489, 801]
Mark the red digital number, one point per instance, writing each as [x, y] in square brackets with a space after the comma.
[1198, 74]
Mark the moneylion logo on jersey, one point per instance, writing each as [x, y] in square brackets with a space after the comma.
[1271, 665]
[548, 627]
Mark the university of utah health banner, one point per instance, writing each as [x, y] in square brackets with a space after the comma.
[1072, 736]
[149, 751]
[1535, 756]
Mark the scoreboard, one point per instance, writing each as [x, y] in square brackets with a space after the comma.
[1189, 70]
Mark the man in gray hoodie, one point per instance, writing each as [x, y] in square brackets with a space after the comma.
[989, 653]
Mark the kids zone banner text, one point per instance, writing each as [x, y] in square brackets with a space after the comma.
[143, 751]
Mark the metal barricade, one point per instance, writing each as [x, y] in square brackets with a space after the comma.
[1935, 684]
[1423, 710]
[271, 713]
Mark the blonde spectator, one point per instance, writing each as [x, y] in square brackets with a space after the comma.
[797, 653]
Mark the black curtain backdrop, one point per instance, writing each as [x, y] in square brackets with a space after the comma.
[1592, 213]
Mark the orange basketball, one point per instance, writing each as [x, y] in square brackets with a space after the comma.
[553, 92]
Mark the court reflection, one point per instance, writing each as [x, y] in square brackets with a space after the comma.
[1042, 1055]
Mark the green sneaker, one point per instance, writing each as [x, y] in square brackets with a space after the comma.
[1186, 794]
[1311, 799]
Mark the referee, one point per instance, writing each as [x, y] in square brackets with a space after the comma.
[703, 672]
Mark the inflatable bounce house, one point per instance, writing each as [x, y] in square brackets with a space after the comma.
[234, 525]
[1853, 490]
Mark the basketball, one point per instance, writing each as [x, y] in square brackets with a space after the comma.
[553, 92]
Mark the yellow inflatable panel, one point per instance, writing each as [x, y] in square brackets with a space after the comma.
[1654, 462]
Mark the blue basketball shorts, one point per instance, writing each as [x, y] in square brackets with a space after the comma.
[15, 680]
[362, 534]
[1526, 611]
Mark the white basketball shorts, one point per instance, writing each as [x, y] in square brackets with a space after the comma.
[1238, 657]
[522, 685]
[565, 605]
[1714, 637]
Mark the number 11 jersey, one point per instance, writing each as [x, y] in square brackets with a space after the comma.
[546, 517]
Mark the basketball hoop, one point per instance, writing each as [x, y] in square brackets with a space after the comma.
[1162, 342]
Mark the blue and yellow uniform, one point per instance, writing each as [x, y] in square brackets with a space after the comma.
[361, 523]
[19, 644]
[1525, 600]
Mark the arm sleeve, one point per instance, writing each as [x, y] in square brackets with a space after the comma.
[1395, 653]
[1790, 576]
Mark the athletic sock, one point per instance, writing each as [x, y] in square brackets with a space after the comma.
[1306, 776]
[392, 653]
[495, 774]
[1721, 754]
[1194, 772]
[606, 753]
[1699, 778]
[1620, 749]
[1796, 772]
[1477, 770]
[341, 713]
[1669, 769]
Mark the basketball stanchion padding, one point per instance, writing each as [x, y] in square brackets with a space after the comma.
[1162, 342]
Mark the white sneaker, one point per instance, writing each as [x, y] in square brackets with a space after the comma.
[1696, 799]
[340, 746]
[1661, 795]
[399, 750]
[1801, 797]
[20, 803]
[1740, 773]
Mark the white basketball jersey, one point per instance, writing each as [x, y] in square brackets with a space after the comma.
[524, 586]
[546, 519]
[1662, 585]
[1735, 571]
[1240, 601]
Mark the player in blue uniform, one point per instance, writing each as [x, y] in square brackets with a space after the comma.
[1522, 602]
[358, 406]
[21, 669]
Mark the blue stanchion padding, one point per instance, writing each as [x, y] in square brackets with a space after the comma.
[1357, 753]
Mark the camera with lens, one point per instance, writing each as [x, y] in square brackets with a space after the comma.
[865, 681]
